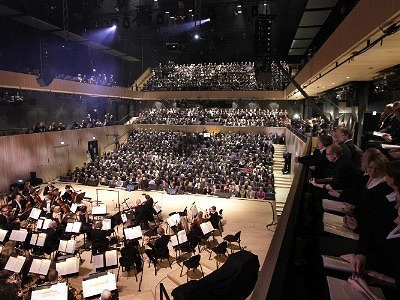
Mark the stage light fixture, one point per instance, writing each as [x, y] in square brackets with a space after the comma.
[114, 27]
[196, 36]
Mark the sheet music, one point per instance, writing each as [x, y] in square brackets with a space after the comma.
[74, 227]
[389, 146]
[57, 291]
[124, 218]
[133, 233]
[173, 220]
[342, 231]
[38, 239]
[73, 208]
[62, 246]
[69, 266]
[18, 235]
[67, 246]
[206, 227]
[106, 224]
[332, 205]
[98, 261]
[46, 223]
[332, 219]
[15, 264]
[99, 210]
[182, 237]
[341, 289]
[39, 223]
[35, 213]
[40, 266]
[77, 227]
[43, 223]
[69, 227]
[377, 133]
[3, 234]
[174, 240]
[95, 286]
[41, 239]
[111, 258]
[336, 263]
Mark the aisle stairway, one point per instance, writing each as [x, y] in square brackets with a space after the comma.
[282, 182]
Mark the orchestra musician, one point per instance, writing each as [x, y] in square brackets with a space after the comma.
[160, 247]
[144, 212]
[47, 205]
[52, 238]
[18, 206]
[48, 188]
[27, 188]
[214, 217]
[69, 195]
[4, 217]
[100, 242]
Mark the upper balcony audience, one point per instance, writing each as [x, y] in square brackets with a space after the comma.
[213, 77]
[88, 122]
[233, 117]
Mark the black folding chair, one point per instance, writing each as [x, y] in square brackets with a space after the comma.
[233, 239]
[192, 263]
[221, 249]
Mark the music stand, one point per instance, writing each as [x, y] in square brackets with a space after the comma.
[67, 265]
[3, 234]
[57, 291]
[15, 263]
[105, 261]
[178, 241]
[40, 266]
[96, 283]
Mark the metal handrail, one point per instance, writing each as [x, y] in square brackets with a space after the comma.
[163, 292]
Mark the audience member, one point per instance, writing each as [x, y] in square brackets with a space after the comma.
[216, 77]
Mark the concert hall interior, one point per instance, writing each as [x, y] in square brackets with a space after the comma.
[199, 149]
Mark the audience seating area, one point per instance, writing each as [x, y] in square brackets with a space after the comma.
[212, 76]
[232, 164]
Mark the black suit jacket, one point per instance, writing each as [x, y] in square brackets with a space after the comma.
[214, 219]
[160, 246]
[4, 222]
[344, 172]
[319, 161]
[52, 240]
[99, 240]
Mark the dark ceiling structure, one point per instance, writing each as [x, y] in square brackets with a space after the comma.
[185, 31]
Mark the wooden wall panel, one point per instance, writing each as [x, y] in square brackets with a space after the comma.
[44, 154]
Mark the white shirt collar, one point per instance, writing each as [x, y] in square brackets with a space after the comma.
[374, 182]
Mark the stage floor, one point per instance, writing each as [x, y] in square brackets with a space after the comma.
[249, 216]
